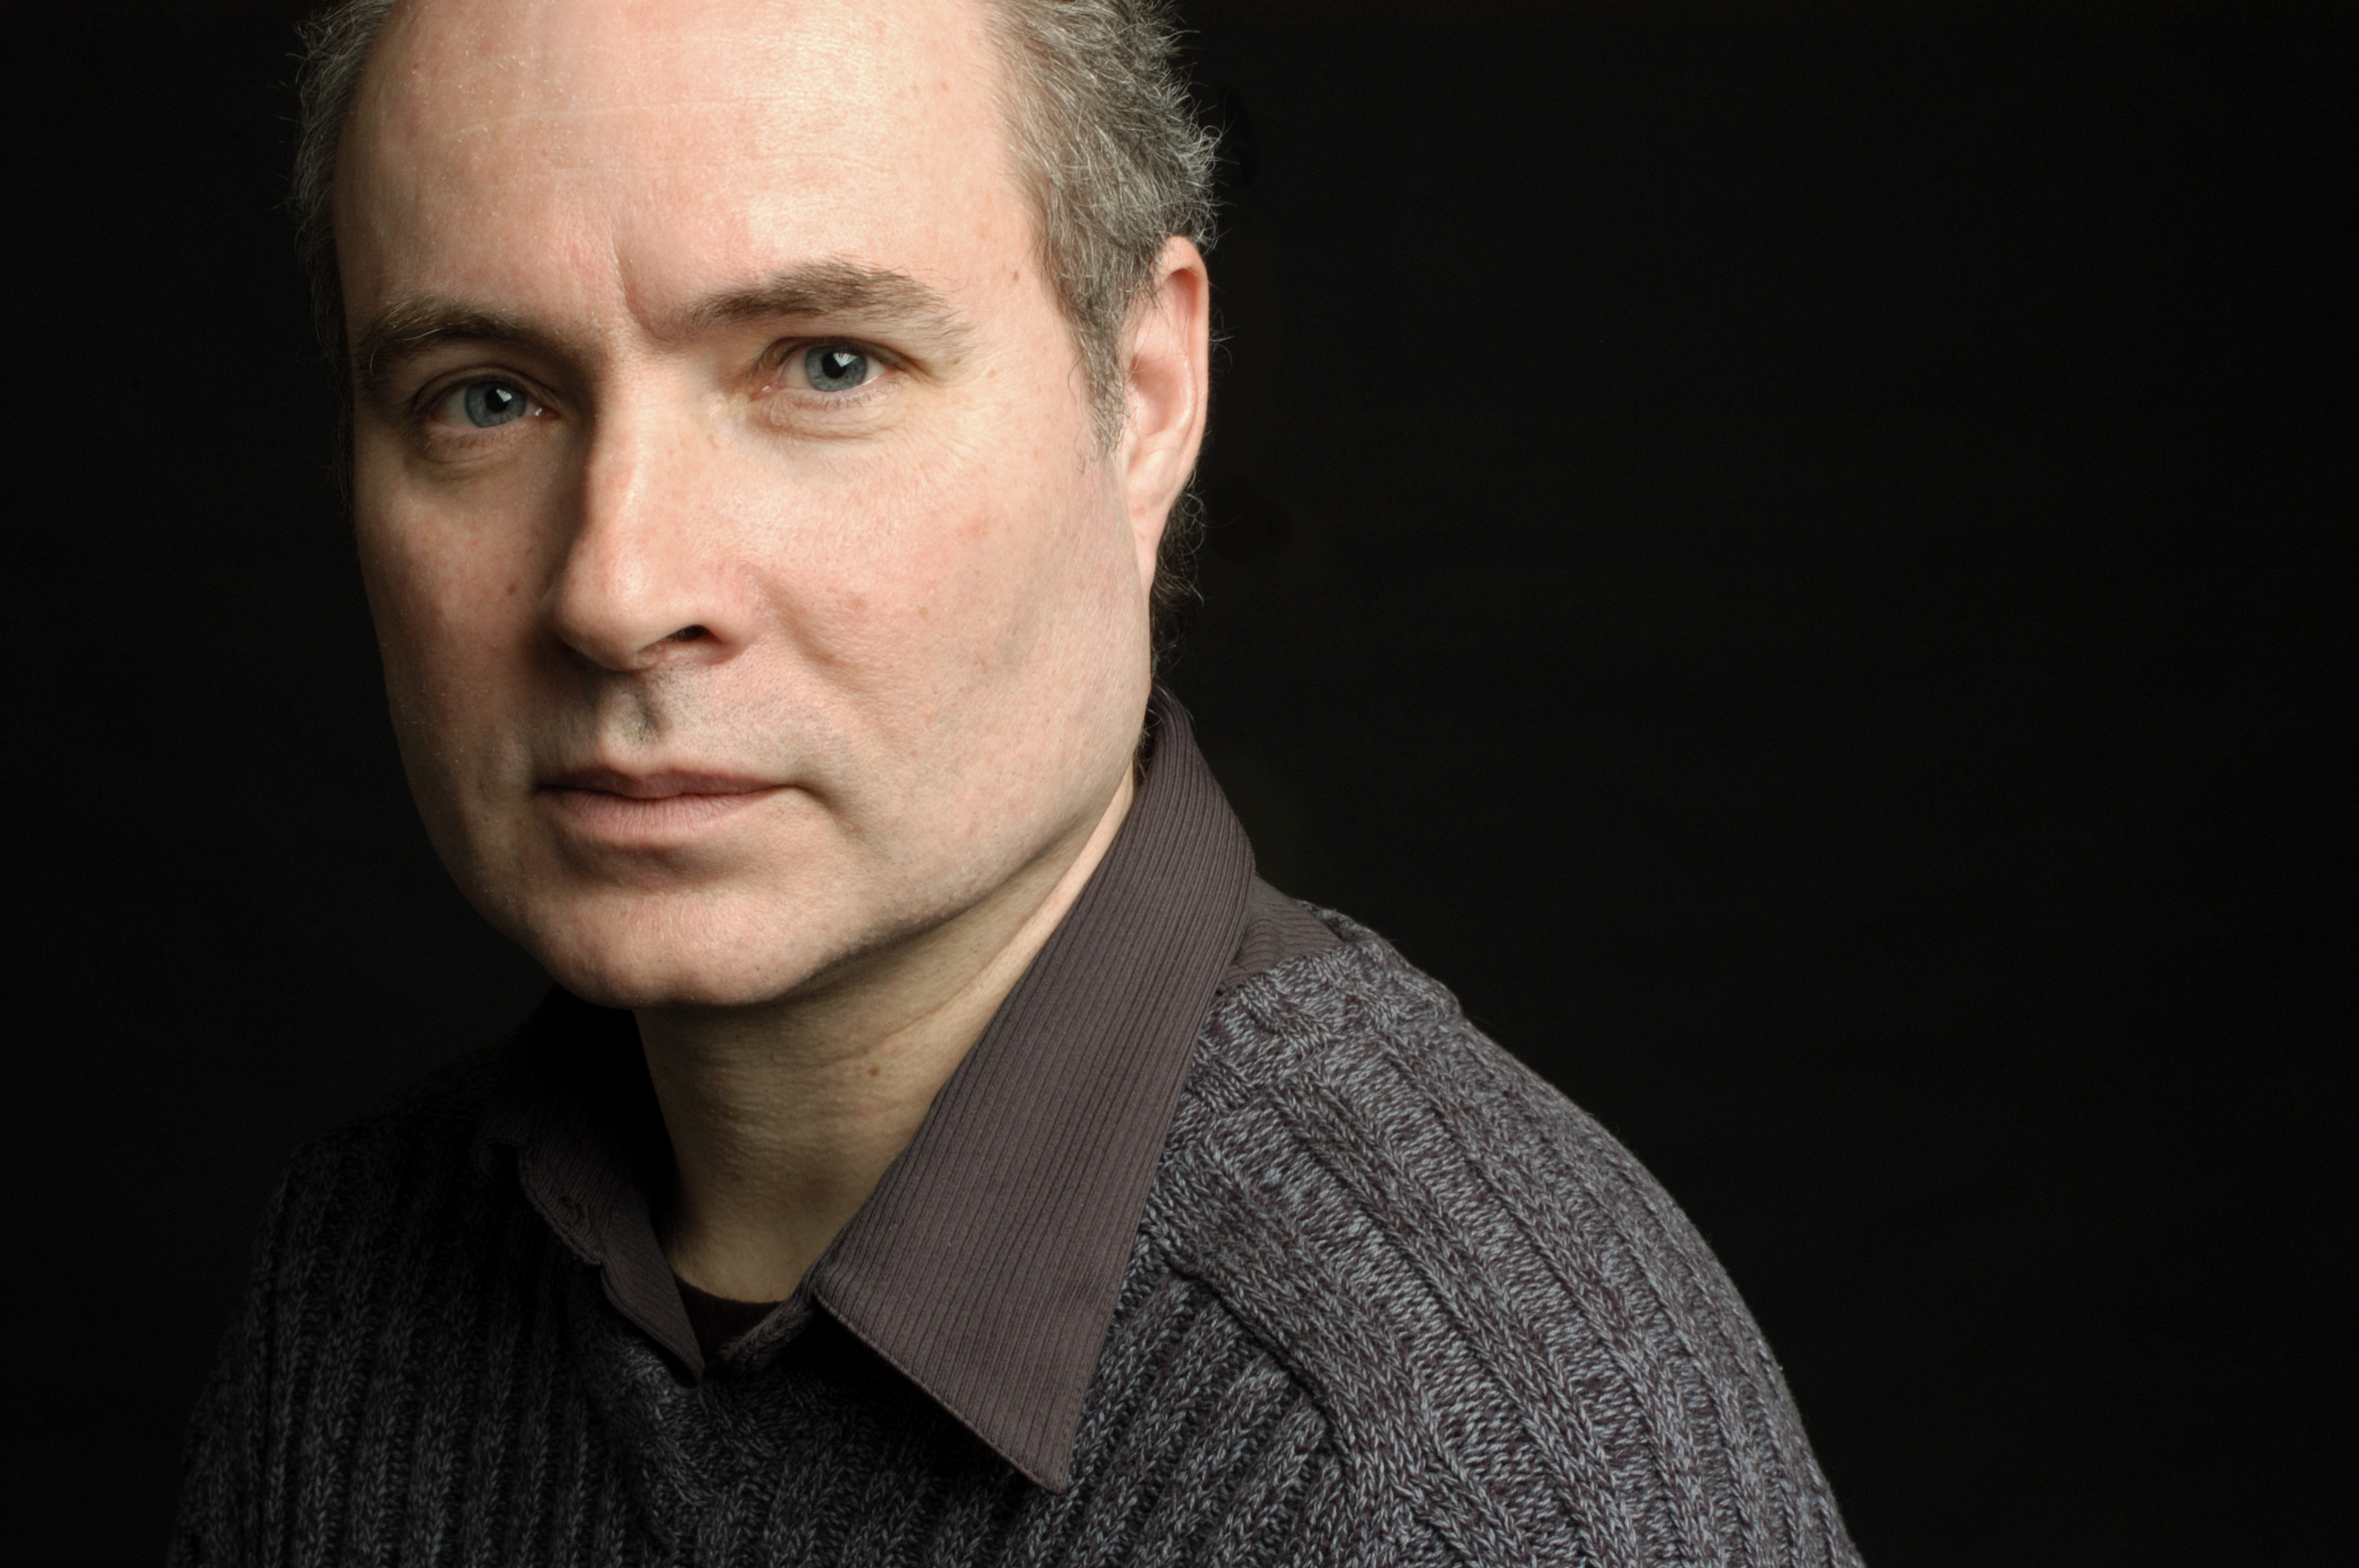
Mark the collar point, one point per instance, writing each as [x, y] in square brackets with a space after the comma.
[1053, 1476]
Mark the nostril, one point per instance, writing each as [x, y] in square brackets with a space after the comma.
[688, 634]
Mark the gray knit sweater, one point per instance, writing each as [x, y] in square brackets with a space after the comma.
[1393, 1300]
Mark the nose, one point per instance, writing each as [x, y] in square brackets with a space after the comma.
[644, 583]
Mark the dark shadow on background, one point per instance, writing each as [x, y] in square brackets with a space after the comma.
[1803, 565]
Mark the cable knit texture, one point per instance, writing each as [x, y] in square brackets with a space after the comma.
[1393, 1300]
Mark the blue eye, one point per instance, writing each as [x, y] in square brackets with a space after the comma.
[489, 403]
[836, 369]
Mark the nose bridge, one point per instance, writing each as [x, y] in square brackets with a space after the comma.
[635, 588]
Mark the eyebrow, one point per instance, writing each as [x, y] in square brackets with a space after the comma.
[844, 291]
[408, 327]
[838, 293]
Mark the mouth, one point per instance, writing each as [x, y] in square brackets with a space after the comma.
[620, 807]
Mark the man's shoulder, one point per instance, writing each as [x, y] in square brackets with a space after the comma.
[438, 1113]
[1347, 1081]
[1506, 1321]
[356, 1185]
[1370, 1071]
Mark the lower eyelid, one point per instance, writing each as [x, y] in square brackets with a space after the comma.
[804, 399]
[807, 396]
[434, 429]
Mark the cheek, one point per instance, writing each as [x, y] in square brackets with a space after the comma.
[1006, 561]
[441, 597]
[955, 548]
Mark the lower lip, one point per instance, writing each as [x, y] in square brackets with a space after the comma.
[631, 818]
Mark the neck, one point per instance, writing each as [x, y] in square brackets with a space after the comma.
[783, 1118]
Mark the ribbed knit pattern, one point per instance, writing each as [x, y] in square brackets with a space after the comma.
[1393, 1300]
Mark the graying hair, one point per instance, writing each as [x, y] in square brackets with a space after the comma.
[1109, 150]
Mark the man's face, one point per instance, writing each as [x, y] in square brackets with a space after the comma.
[752, 591]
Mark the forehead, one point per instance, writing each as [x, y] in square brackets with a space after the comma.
[668, 144]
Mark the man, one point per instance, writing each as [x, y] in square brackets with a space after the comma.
[766, 422]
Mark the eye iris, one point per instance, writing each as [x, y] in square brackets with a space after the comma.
[489, 402]
[835, 370]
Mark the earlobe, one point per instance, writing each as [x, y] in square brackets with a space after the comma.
[1169, 385]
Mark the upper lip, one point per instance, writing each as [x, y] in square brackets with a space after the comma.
[656, 785]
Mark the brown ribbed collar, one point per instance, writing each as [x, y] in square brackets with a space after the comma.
[986, 1264]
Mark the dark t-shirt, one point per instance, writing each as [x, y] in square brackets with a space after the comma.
[717, 1319]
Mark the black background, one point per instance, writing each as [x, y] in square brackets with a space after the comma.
[1798, 556]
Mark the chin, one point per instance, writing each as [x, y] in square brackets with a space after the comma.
[637, 956]
[639, 986]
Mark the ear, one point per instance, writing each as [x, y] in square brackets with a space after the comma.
[1170, 380]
